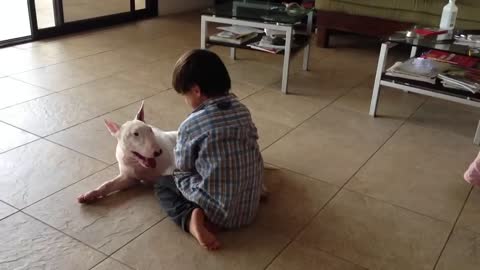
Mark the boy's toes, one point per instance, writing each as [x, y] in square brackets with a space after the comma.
[214, 245]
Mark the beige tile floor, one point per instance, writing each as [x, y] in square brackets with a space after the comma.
[348, 192]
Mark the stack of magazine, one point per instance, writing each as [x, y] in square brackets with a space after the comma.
[418, 69]
[266, 45]
[461, 79]
[235, 34]
[453, 71]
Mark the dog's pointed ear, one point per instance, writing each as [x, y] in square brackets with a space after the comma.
[113, 127]
[140, 114]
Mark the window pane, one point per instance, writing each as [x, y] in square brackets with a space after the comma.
[14, 19]
[45, 15]
[139, 4]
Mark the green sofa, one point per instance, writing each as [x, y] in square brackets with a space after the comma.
[382, 17]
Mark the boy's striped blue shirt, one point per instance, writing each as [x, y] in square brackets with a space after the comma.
[219, 161]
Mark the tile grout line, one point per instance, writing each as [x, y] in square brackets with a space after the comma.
[25, 101]
[140, 234]
[295, 237]
[39, 137]
[65, 187]
[18, 146]
[29, 50]
[11, 214]
[52, 92]
[302, 228]
[396, 205]
[107, 256]
[111, 258]
[79, 123]
[75, 86]
[452, 230]
[357, 192]
[50, 65]
[367, 195]
[63, 233]
[45, 138]
[312, 116]
[15, 79]
[465, 228]
[24, 130]
[102, 114]
[78, 152]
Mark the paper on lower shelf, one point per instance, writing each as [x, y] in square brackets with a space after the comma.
[240, 30]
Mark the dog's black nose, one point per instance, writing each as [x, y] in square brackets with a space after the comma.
[157, 153]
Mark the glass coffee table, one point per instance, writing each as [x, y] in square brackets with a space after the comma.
[436, 90]
[266, 16]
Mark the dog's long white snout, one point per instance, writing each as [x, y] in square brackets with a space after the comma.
[152, 149]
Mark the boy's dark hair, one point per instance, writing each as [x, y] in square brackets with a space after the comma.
[204, 69]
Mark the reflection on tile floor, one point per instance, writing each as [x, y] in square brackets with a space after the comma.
[347, 191]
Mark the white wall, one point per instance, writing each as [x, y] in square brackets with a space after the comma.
[176, 6]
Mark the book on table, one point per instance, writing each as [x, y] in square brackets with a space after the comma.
[451, 58]
[240, 30]
[461, 79]
[430, 31]
[233, 38]
[266, 44]
[418, 69]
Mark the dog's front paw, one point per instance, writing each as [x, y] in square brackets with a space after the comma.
[88, 197]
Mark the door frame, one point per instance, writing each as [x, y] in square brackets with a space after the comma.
[62, 28]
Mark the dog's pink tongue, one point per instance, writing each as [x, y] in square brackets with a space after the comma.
[152, 163]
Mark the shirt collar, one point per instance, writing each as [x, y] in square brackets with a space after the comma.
[212, 101]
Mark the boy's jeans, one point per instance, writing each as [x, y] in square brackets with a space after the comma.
[172, 201]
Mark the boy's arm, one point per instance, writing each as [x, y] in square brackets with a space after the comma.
[185, 155]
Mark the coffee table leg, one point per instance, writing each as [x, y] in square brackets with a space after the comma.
[306, 52]
[306, 56]
[203, 32]
[233, 53]
[376, 87]
[286, 60]
[413, 52]
[476, 139]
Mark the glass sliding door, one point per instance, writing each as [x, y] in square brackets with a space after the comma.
[25, 20]
[14, 20]
[45, 13]
[140, 4]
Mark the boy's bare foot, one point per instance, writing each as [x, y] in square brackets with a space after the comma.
[197, 228]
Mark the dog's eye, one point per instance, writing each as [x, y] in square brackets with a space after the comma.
[136, 133]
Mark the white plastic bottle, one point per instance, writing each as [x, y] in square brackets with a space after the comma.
[449, 15]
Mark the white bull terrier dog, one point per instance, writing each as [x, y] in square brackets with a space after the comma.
[144, 153]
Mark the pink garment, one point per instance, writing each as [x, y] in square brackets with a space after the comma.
[472, 175]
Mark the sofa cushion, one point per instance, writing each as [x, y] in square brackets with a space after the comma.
[467, 8]
[391, 4]
[422, 12]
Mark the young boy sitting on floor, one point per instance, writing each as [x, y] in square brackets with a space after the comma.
[218, 180]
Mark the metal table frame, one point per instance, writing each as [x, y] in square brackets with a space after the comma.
[288, 29]
[382, 59]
